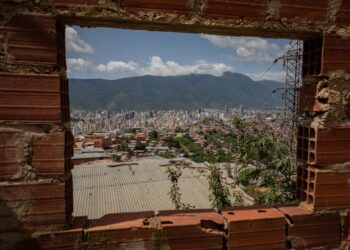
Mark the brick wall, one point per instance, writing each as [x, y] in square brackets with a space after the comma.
[36, 193]
[36, 142]
[323, 147]
[235, 228]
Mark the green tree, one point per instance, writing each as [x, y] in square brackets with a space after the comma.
[219, 196]
[172, 143]
[123, 147]
[175, 195]
[140, 146]
[115, 158]
[167, 155]
[238, 198]
[153, 135]
[265, 164]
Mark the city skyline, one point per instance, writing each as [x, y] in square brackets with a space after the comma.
[90, 121]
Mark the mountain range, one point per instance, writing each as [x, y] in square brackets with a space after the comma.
[186, 92]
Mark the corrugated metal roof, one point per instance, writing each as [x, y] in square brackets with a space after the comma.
[99, 189]
[88, 155]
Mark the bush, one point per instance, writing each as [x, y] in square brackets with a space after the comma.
[167, 155]
[219, 196]
[175, 195]
[140, 146]
[153, 135]
[116, 158]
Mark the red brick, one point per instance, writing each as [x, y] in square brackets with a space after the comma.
[343, 16]
[323, 146]
[302, 182]
[68, 239]
[310, 230]
[307, 9]
[31, 82]
[250, 10]
[192, 229]
[31, 191]
[255, 228]
[321, 189]
[32, 115]
[165, 5]
[34, 205]
[50, 155]
[34, 40]
[29, 98]
[9, 170]
[121, 231]
[58, 240]
[121, 218]
[336, 54]
[330, 189]
[308, 98]
[9, 143]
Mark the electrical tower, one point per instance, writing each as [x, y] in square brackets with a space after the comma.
[292, 62]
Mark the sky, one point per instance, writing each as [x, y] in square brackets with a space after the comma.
[118, 53]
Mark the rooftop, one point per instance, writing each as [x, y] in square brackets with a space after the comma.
[141, 186]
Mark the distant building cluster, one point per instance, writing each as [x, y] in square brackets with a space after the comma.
[85, 122]
[119, 136]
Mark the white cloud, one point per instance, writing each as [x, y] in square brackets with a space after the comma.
[156, 66]
[118, 66]
[249, 49]
[78, 64]
[159, 67]
[75, 43]
[279, 76]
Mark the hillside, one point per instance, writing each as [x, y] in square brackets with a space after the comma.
[173, 92]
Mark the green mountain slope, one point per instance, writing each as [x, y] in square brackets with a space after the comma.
[173, 92]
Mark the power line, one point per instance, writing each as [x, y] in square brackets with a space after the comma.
[268, 69]
[292, 63]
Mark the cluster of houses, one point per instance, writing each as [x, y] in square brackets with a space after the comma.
[199, 133]
[119, 146]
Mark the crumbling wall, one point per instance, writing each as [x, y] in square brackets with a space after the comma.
[324, 132]
[36, 142]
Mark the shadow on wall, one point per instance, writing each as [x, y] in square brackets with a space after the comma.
[13, 234]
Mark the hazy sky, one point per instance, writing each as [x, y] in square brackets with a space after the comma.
[117, 53]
